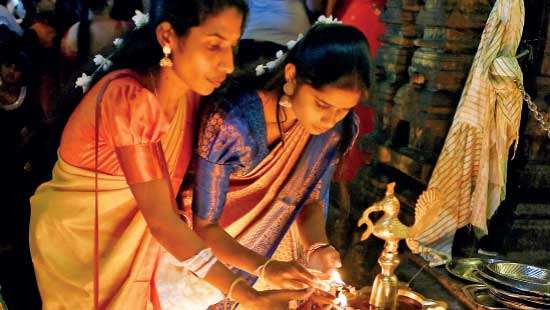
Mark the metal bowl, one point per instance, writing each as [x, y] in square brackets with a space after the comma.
[464, 268]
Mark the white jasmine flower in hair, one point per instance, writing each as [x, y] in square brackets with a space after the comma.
[260, 69]
[290, 44]
[102, 62]
[279, 54]
[84, 82]
[140, 19]
[327, 20]
[273, 64]
[118, 42]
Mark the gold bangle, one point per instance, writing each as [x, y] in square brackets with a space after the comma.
[232, 286]
[261, 269]
[314, 247]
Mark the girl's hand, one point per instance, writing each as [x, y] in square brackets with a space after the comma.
[289, 275]
[325, 259]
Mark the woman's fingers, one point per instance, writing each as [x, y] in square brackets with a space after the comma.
[294, 285]
[322, 298]
[288, 295]
[303, 274]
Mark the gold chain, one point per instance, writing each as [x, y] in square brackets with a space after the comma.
[539, 116]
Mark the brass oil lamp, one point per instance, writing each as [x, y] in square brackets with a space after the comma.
[386, 287]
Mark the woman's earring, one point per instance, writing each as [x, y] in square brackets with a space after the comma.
[288, 90]
[166, 61]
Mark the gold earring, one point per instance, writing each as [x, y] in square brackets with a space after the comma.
[166, 61]
[288, 90]
[285, 101]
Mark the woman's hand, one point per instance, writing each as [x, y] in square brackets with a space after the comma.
[289, 275]
[277, 300]
[325, 259]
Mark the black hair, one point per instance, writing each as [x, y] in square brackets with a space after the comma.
[140, 50]
[328, 55]
[124, 9]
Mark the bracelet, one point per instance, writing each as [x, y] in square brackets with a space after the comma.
[260, 271]
[314, 247]
[232, 286]
[199, 264]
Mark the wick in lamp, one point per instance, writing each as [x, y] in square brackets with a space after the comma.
[386, 287]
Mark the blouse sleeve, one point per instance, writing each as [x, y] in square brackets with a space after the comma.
[133, 122]
[221, 146]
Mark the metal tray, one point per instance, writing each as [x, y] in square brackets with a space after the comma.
[536, 299]
[516, 304]
[464, 268]
[499, 295]
[489, 278]
[479, 293]
[523, 273]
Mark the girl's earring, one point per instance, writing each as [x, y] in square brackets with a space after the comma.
[166, 61]
[288, 90]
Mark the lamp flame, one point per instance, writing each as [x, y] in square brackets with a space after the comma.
[336, 278]
[341, 300]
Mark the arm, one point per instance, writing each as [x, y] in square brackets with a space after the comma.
[155, 202]
[227, 248]
[311, 224]
[312, 230]
[331, 5]
[220, 148]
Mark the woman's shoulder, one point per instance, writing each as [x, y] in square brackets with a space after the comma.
[121, 90]
[122, 78]
[240, 106]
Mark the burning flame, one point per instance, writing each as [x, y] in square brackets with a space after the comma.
[336, 278]
[341, 299]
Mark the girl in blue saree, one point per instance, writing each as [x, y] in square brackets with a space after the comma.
[266, 152]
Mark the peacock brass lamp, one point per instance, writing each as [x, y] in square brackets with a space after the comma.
[386, 287]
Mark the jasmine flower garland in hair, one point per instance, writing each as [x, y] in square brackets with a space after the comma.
[104, 63]
[140, 19]
[118, 42]
[262, 68]
[327, 20]
[84, 82]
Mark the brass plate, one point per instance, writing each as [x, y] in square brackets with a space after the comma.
[464, 268]
[479, 293]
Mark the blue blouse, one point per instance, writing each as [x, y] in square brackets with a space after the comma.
[232, 141]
